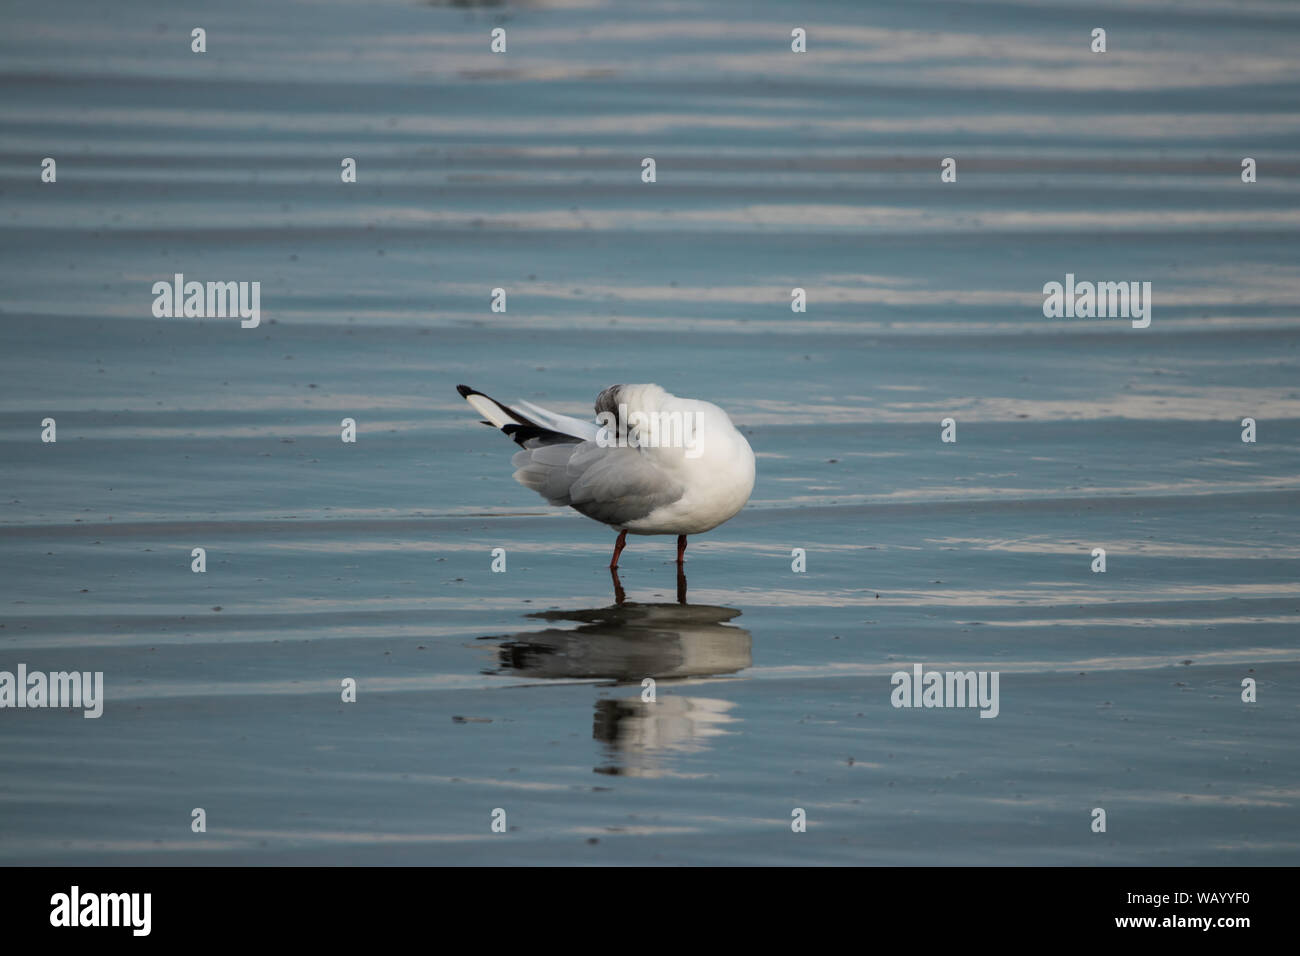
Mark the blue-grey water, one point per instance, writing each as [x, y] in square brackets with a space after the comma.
[522, 691]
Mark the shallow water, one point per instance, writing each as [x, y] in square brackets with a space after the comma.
[522, 691]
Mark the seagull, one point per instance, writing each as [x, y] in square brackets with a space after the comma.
[652, 463]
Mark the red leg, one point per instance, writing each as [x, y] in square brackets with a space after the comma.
[681, 548]
[618, 549]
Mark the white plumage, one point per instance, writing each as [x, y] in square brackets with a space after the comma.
[655, 464]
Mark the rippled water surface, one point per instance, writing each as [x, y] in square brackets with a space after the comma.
[523, 691]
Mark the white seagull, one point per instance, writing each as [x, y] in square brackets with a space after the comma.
[653, 463]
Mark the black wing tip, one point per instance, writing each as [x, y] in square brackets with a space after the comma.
[546, 436]
[466, 392]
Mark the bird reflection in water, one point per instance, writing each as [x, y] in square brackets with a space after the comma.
[626, 643]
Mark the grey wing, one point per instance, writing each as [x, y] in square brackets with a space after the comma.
[613, 485]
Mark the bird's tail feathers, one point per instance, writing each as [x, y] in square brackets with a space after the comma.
[523, 430]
